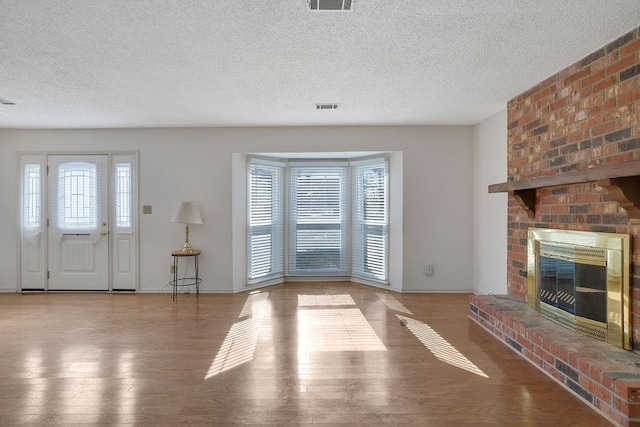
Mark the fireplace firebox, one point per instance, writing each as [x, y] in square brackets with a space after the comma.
[581, 280]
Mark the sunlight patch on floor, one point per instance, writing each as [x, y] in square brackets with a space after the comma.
[255, 304]
[393, 304]
[341, 329]
[331, 330]
[439, 347]
[324, 300]
[240, 344]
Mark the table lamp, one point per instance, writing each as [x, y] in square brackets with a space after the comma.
[187, 213]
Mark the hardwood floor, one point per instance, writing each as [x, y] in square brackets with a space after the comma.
[327, 354]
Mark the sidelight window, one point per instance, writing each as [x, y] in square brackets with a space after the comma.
[123, 195]
[32, 193]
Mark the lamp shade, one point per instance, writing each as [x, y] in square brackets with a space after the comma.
[187, 213]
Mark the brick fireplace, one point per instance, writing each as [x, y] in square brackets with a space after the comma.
[584, 118]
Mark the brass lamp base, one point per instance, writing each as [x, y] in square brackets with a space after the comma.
[187, 246]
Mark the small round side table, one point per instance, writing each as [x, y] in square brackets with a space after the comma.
[185, 281]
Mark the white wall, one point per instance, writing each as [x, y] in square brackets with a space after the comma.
[490, 210]
[196, 165]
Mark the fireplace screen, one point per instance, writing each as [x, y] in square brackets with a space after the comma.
[581, 280]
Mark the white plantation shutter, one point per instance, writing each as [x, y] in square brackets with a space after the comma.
[266, 220]
[370, 220]
[318, 220]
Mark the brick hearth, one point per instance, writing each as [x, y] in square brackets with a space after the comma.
[603, 376]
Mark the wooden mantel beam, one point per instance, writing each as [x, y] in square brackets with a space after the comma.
[621, 180]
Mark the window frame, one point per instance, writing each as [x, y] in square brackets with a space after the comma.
[291, 274]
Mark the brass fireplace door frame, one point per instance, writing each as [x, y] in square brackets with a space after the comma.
[608, 249]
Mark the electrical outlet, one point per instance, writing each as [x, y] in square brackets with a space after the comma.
[428, 270]
[172, 269]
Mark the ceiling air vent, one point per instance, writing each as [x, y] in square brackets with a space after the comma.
[331, 5]
[326, 106]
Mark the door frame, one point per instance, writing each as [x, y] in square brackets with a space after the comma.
[78, 257]
[112, 158]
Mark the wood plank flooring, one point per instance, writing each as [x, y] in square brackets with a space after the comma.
[312, 353]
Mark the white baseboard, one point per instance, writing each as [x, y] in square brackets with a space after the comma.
[373, 284]
[437, 291]
[191, 291]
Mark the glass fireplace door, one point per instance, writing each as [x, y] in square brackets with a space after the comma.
[574, 287]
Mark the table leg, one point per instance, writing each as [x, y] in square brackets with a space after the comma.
[197, 280]
[175, 277]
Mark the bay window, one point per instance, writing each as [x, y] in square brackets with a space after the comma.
[336, 221]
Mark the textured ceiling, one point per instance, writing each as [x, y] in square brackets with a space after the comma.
[176, 63]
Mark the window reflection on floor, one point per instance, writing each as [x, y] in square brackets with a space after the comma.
[127, 398]
[84, 382]
[439, 347]
[37, 391]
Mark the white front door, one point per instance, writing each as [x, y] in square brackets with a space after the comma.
[78, 243]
